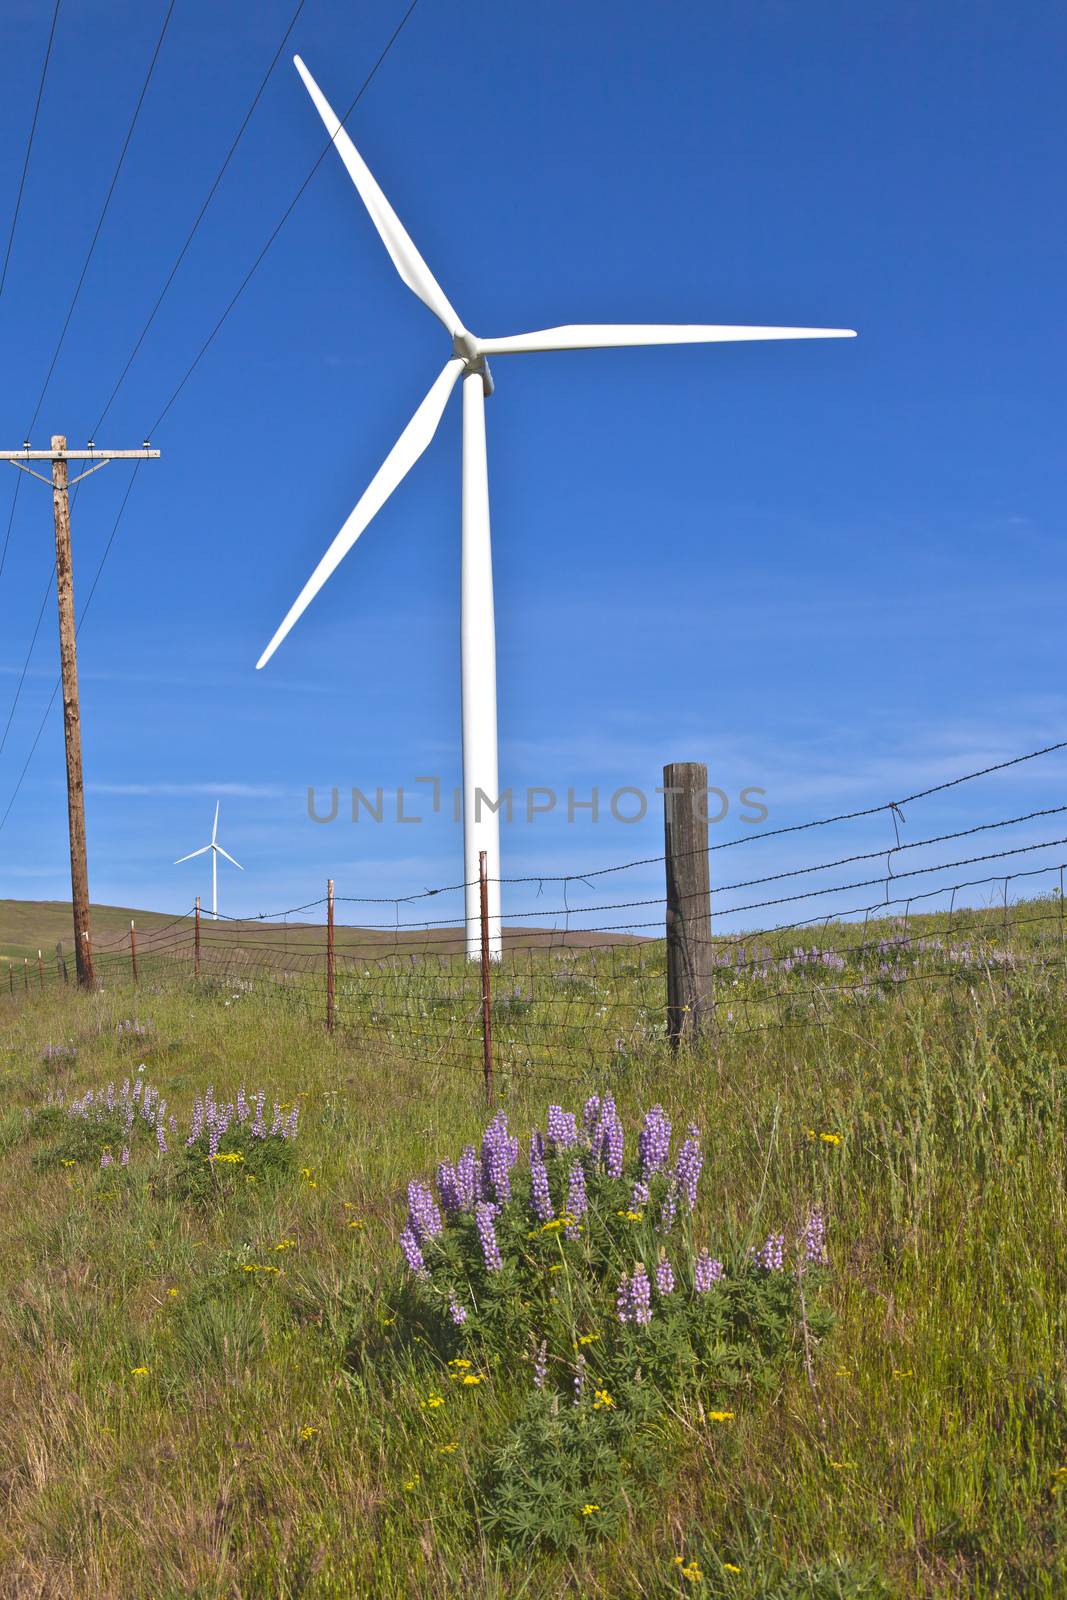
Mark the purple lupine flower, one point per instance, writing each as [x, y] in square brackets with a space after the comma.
[161, 1139]
[664, 1277]
[446, 1188]
[577, 1200]
[640, 1297]
[105, 1159]
[242, 1105]
[484, 1212]
[606, 1138]
[468, 1178]
[622, 1301]
[172, 1123]
[457, 1312]
[772, 1255]
[499, 1154]
[639, 1196]
[813, 1238]
[541, 1365]
[276, 1125]
[258, 1129]
[197, 1126]
[424, 1219]
[654, 1141]
[540, 1194]
[213, 1141]
[125, 1155]
[288, 1127]
[687, 1167]
[562, 1131]
[590, 1114]
[110, 1096]
[706, 1272]
[412, 1254]
[579, 1378]
[668, 1207]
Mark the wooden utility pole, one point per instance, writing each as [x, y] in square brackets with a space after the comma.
[329, 955]
[59, 455]
[689, 970]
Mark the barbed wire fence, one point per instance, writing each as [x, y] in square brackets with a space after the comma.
[581, 987]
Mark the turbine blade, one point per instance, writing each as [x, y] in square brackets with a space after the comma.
[406, 258]
[594, 336]
[204, 848]
[397, 464]
[228, 856]
[215, 824]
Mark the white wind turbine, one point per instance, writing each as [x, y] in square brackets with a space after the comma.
[477, 634]
[216, 851]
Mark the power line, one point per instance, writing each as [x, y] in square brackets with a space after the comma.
[103, 213]
[199, 218]
[246, 280]
[26, 162]
[26, 663]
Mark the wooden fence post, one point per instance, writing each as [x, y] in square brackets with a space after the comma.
[61, 965]
[196, 939]
[40, 970]
[487, 994]
[329, 955]
[26, 974]
[690, 1004]
[133, 951]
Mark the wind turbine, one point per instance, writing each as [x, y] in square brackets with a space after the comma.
[477, 634]
[216, 851]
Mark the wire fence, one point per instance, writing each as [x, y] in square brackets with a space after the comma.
[580, 988]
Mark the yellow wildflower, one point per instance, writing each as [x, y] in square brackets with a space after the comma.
[842, 1466]
[412, 1483]
[903, 1372]
[458, 1361]
[447, 1449]
[630, 1216]
[720, 1416]
[844, 1372]
[307, 1432]
[471, 1378]
[602, 1399]
[830, 1138]
[692, 1573]
[728, 1566]
[286, 1244]
[70, 1163]
[589, 1338]
[138, 1372]
[587, 1510]
[173, 1293]
[432, 1401]
[230, 1157]
[355, 1223]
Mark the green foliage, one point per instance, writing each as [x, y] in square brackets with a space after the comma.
[242, 1161]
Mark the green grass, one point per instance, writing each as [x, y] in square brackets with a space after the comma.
[918, 1457]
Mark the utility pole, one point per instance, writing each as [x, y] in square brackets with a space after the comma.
[59, 455]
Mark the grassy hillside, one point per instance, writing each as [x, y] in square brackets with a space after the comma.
[220, 1387]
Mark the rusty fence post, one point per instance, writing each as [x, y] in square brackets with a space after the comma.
[196, 939]
[133, 951]
[329, 955]
[487, 994]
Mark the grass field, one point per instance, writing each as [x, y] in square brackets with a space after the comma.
[181, 1420]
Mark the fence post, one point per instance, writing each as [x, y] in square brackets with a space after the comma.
[87, 946]
[40, 971]
[329, 955]
[133, 951]
[61, 964]
[26, 973]
[11, 977]
[690, 1005]
[487, 994]
[196, 939]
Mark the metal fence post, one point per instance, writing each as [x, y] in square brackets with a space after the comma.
[690, 1005]
[487, 995]
[196, 939]
[329, 956]
[133, 951]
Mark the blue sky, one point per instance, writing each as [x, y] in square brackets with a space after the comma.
[833, 571]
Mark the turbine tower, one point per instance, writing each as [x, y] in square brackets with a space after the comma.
[216, 851]
[481, 829]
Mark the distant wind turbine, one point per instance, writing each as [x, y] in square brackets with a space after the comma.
[477, 634]
[216, 851]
